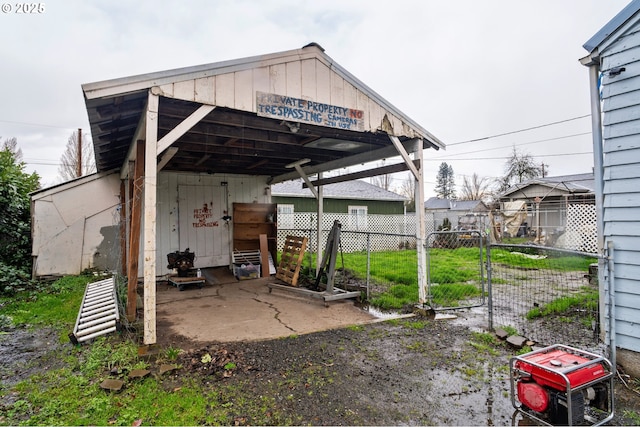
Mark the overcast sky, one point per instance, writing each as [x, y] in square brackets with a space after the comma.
[464, 70]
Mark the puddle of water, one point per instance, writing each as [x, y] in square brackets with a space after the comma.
[472, 402]
[445, 316]
[385, 315]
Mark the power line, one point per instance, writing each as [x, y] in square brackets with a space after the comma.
[513, 145]
[508, 157]
[519, 130]
[35, 124]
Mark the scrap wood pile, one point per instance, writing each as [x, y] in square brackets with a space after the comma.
[291, 260]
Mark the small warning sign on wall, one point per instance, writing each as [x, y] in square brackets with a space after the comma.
[203, 217]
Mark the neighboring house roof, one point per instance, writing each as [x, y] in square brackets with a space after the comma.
[357, 190]
[435, 203]
[579, 183]
[618, 21]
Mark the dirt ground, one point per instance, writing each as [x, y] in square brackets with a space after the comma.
[407, 372]
[403, 372]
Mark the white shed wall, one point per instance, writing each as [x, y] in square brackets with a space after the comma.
[73, 225]
[621, 107]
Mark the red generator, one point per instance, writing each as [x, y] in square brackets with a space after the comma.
[560, 385]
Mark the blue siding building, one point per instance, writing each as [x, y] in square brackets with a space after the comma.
[614, 66]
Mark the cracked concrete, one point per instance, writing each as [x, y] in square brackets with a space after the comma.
[227, 310]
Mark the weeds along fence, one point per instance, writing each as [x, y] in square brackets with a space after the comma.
[455, 270]
[545, 294]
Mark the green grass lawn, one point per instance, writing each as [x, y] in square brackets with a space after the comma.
[454, 273]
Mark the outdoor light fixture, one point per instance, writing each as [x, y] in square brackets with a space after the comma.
[616, 71]
[336, 144]
[293, 127]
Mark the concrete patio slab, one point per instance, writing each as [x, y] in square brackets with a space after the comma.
[226, 310]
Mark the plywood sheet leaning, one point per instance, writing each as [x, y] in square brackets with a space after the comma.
[291, 259]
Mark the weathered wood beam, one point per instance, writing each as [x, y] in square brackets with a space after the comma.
[134, 234]
[123, 229]
[168, 155]
[183, 127]
[131, 153]
[405, 156]
[297, 166]
[258, 164]
[399, 167]
[366, 157]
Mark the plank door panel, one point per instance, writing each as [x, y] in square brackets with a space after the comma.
[202, 228]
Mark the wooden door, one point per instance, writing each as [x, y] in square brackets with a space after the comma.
[202, 228]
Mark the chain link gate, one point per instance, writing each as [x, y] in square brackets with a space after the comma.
[455, 270]
[548, 295]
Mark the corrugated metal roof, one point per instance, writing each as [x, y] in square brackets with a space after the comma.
[623, 16]
[578, 183]
[357, 189]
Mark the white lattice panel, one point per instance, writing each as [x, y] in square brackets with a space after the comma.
[580, 233]
[385, 232]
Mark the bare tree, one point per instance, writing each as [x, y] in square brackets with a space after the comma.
[519, 167]
[475, 188]
[408, 190]
[77, 159]
[11, 145]
[382, 181]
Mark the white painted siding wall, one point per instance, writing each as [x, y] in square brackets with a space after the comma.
[621, 107]
[74, 225]
[298, 76]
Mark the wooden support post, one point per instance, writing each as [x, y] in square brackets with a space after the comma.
[123, 229]
[264, 255]
[421, 230]
[150, 196]
[134, 234]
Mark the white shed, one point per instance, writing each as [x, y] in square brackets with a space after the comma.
[187, 143]
[75, 225]
[614, 66]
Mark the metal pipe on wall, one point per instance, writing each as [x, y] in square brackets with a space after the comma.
[598, 175]
[612, 305]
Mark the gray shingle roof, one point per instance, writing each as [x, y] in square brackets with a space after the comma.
[357, 189]
[453, 205]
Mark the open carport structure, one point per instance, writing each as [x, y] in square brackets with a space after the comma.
[253, 122]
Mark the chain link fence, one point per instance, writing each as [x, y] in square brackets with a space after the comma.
[455, 270]
[548, 295]
[377, 255]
